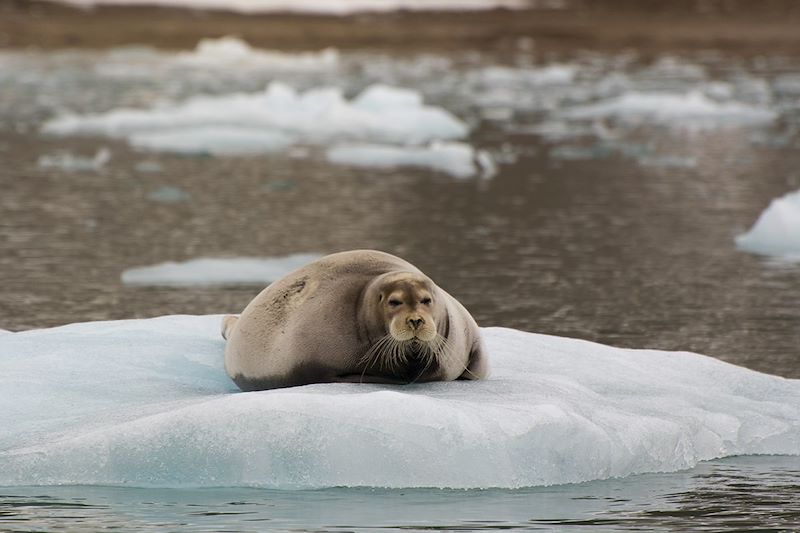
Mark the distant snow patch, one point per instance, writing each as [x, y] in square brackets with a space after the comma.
[688, 109]
[777, 230]
[269, 120]
[74, 163]
[457, 159]
[217, 271]
[332, 7]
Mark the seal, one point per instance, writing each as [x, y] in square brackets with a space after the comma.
[361, 316]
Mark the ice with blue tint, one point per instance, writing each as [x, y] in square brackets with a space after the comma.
[777, 230]
[217, 271]
[272, 120]
[148, 403]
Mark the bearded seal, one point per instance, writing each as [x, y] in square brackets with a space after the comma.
[361, 316]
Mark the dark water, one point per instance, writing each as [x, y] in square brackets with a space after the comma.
[620, 233]
[739, 494]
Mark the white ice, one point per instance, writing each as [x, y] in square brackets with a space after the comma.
[331, 7]
[234, 52]
[690, 109]
[217, 271]
[271, 119]
[148, 403]
[777, 230]
[75, 163]
[454, 158]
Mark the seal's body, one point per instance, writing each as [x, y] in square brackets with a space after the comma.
[358, 316]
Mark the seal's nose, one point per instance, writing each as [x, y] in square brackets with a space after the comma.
[415, 322]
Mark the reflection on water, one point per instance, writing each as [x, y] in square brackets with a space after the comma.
[733, 494]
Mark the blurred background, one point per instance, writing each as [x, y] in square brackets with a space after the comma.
[586, 168]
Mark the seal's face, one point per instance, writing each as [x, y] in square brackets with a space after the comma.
[407, 305]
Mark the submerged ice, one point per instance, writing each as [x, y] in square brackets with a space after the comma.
[147, 402]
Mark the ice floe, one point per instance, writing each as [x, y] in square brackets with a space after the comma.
[457, 159]
[269, 119]
[234, 53]
[148, 403]
[332, 7]
[690, 109]
[777, 230]
[217, 271]
[74, 163]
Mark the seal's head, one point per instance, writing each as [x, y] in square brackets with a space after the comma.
[405, 311]
[406, 302]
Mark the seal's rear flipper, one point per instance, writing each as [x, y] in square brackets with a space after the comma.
[227, 325]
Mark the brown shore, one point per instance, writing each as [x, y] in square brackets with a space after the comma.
[744, 27]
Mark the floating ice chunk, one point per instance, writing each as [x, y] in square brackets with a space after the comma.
[266, 121]
[73, 163]
[777, 230]
[217, 271]
[668, 161]
[213, 140]
[457, 159]
[333, 7]
[233, 52]
[148, 167]
[148, 403]
[690, 109]
[555, 74]
[169, 195]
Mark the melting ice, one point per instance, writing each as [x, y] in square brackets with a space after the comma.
[147, 402]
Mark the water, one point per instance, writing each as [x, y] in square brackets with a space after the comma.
[740, 494]
[615, 231]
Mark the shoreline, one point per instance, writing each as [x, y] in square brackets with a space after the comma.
[603, 25]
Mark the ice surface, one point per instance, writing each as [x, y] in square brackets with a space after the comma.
[777, 230]
[457, 159]
[688, 109]
[233, 52]
[147, 402]
[217, 271]
[332, 7]
[75, 163]
[271, 120]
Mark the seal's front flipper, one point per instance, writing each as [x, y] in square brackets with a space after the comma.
[227, 326]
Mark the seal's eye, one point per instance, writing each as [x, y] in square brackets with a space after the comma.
[395, 303]
[425, 301]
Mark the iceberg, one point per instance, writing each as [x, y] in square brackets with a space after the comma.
[272, 120]
[232, 52]
[217, 271]
[459, 160]
[691, 109]
[148, 403]
[777, 230]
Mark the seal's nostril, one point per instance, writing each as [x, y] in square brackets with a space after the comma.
[416, 322]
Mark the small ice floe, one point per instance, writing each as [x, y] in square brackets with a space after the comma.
[74, 163]
[692, 109]
[148, 403]
[5, 332]
[456, 159]
[169, 195]
[333, 7]
[668, 161]
[777, 230]
[270, 120]
[553, 74]
[232, 52]
[217, 271]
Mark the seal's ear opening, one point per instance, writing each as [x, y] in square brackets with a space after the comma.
[380, 297]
